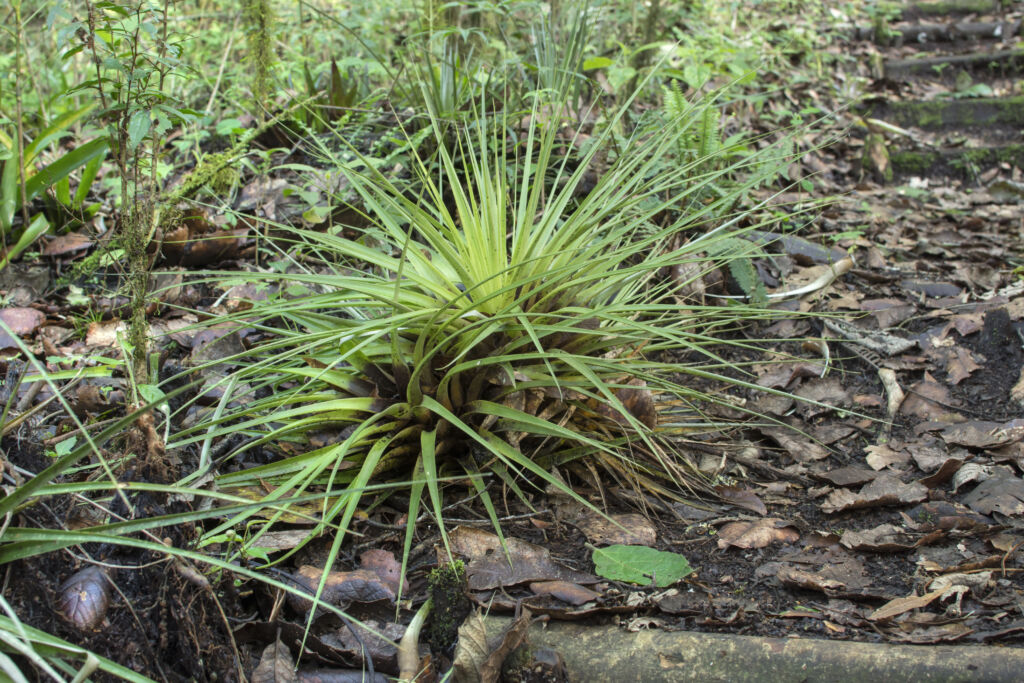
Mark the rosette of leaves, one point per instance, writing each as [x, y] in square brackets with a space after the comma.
[489, 322]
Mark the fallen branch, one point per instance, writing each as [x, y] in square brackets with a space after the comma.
[609, 653]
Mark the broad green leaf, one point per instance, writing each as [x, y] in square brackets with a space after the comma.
[596, 63]
[641, 565]
[229, 127]
[64, 447]
[315, 215]
[138, 126]
[153, 395]
[63, 191]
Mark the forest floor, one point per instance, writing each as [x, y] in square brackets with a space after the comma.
[887, 511]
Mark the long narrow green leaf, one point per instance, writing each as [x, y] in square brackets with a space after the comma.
[9, 193]
[37, 227]
[64, 166]
[85, 184]
[55, 130]
[419, 480]
[51, 646]
[428, 454]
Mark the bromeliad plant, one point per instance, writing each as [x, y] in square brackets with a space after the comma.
[495, 322]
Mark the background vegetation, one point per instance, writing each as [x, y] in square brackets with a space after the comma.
[496, 230]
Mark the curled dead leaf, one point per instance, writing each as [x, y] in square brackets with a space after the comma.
[742, 497]
[22, 321]
[341, 588]
[572, 593]
[885, 490]
[383, 564]
[756, 534]
[637, 399]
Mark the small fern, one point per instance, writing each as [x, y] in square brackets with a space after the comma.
[709, 133]
[696, 125]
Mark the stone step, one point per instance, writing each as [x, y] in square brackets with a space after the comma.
[967, 162]
[987, 65]
[994, 117]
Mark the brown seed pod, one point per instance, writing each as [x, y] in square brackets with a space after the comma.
[84, 598]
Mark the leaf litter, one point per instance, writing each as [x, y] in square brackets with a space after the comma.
[912, 535]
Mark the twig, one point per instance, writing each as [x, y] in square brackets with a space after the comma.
[220, 71]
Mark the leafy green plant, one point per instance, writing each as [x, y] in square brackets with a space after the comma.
[494, 325]
[134, 56]
[696, 127]
[339, 92]
[443, 78]
[21, 182]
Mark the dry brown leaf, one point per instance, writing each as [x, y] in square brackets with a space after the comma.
[782, 377]
[984, 434]
[900, 605]
[742, 497]
[489, 567]
[945, 633]
[929, 453]
[627, 529]
[884, 538]
[637, 399]
[885, 490]
[881, 456]
[341, 588]
[851, 475]
[757, 534]
[827, 391]
[942, 475]
[67, 244]
[105, 332]
[383, 564]
[799, 447]
[1002, 493]
[479, 661]
[798, 578]
[572, 593]
[276, 665]
[22, 321]
[960, 364]
[943, 515]
[928, 400]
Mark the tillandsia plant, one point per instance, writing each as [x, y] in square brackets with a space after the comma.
[491, 322]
